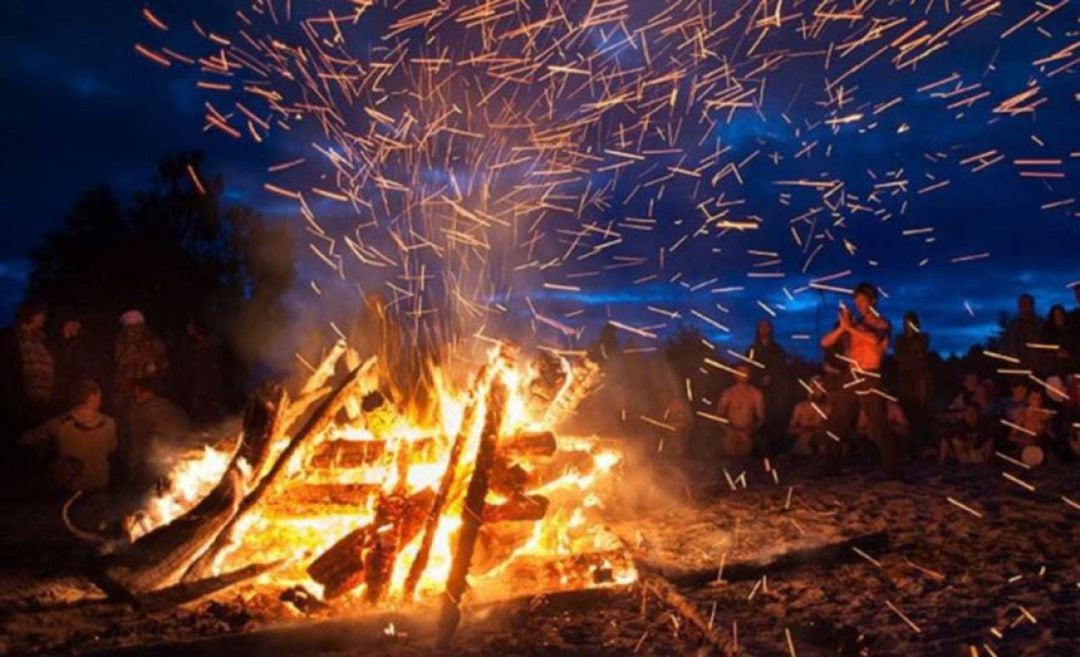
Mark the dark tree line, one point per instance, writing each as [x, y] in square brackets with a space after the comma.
[176, 251]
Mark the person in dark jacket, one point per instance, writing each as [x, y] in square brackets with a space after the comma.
[772, 380]
[200, 374]
[913, 378]
[1022, 331]
[157, 430]
[75, 362]
[1056, 333]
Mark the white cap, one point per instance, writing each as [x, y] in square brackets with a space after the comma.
[132, 318]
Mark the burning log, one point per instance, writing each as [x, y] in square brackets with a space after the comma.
[529, 443]
[446, 484]
[472, 516]
[161, 557]
[314, 426]
[352, 495]
[347, 563]
[509, 480]
[358, 453]
[520, 508]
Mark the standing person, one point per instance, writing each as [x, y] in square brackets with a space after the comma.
[200, 374]
[1056, 331]
[74, 362]
[1074, 326]
[1023, 330]
[913, 378]
[867, 341]
[29, 371]
[85, 439]
[743, 406]
[158, 428]
[772, 380]
[140, 353]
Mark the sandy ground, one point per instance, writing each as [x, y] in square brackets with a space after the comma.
[1001, 577]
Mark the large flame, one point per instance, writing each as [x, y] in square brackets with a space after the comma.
[568, 547]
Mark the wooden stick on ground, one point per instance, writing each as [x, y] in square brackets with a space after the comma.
[316, 424]
[471, 517]
[672, 598]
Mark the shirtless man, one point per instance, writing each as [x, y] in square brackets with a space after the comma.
[866, 339]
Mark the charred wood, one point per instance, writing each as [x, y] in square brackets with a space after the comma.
[160, 558]
[472, 516]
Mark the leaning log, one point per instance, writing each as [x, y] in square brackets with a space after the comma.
[446, 485]
[160, 558]
[203, 566]
[471, 517]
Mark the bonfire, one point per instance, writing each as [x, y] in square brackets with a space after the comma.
[338, 494]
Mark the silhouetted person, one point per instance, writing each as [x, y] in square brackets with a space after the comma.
[867, 341]
[84, 439]
[75, 362]
[743, 405]
[157, 430]
[773, 383]
[28, 371]
[1023, 330]
[913, 378]
[1056, 331]
[200, 374]
[1074, 324]
[139, 354]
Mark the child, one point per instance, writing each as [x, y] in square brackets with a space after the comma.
[84, 440]
[968, 439]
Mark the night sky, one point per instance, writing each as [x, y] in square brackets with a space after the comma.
[82, 108]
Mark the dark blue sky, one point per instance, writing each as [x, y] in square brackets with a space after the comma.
[83, 108]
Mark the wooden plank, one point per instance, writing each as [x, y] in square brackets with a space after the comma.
[832, 553]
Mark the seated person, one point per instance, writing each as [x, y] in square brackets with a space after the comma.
[1034, 423]
[84, 439]
[1013, 408]
[967, 440]
[807, 425]
[743, 405]
[894, 415]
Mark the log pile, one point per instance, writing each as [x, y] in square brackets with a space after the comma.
[299, 460]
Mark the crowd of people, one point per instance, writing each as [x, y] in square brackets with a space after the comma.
[86, 420]
[1023, 402]
[79, 417]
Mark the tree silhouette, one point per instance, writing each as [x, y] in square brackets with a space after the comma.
[176, 252]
